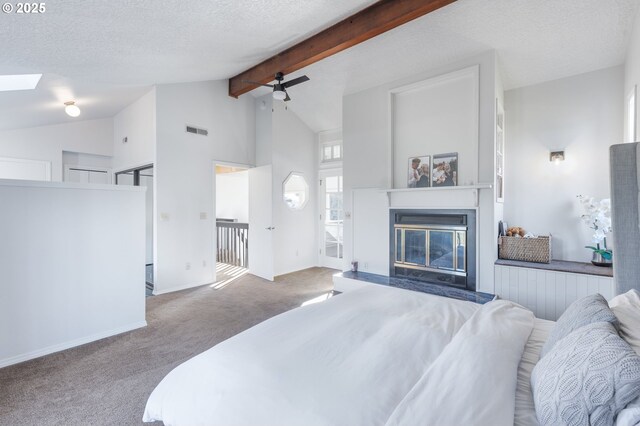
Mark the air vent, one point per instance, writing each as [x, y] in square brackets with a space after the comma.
[197, 131]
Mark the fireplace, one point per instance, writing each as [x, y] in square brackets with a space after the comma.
[436, 246]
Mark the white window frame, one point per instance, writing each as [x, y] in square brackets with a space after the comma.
[333, 161]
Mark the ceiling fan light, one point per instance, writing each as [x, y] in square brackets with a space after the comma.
[279, 95]
[71, 109]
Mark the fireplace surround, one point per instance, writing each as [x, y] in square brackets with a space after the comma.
[435, 245]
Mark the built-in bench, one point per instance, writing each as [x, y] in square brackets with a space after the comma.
[348, 281]
[549, 288]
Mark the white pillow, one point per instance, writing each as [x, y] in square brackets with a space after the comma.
[630, 416]
[626, 307]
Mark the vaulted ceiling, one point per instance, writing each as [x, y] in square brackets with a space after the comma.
[106, 54]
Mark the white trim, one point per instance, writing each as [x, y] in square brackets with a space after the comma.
[633, 134]
[231, 164]
[179, 288]
[440, 188]
[70, 344]
[323, 259]
[306, 183]
[70, 185]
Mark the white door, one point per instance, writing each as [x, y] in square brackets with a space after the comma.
[331, 219]
[261, 223]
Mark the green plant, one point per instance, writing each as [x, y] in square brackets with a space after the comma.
[604, 252]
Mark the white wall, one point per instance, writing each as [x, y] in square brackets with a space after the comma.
[137, 123]
[185, 174]
[47, 143]
[71, 266]
[264, 129]
[232, 196]
[437, 116]
[583, 115]
[632, 68]
[294, 149]
[329, 135]
[368, 163]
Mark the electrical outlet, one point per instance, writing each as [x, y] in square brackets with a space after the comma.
[297, 252]
[164, 216]
[366, 266]
[204, 263]
[187, 266]
[203, 216]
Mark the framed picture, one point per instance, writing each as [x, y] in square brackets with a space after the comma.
[419, 169]
[444, 170]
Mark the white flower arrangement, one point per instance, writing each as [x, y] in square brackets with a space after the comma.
[597, 217]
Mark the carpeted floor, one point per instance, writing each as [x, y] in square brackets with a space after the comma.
[108, 381]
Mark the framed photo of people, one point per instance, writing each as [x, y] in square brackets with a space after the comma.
[419, 171]
[444, 170]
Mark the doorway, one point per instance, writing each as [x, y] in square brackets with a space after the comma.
[143, 176]
[232, 221]
[331, 219]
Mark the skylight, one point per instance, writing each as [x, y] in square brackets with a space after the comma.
[19, 82]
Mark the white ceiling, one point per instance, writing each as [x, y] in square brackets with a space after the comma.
[110, 53]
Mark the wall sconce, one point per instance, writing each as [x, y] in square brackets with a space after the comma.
[556, 157]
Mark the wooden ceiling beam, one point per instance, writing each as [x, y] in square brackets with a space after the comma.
[364, 25]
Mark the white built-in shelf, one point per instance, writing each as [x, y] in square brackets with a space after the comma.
[439, 188]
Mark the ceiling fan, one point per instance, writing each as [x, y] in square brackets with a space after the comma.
[280, 88]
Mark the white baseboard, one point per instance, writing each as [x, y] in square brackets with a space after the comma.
[178, 288]
[70, 344]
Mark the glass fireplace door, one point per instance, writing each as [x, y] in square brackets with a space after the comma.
[430, 248]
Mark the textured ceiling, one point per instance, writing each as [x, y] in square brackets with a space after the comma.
[110, 52]
[535, 40]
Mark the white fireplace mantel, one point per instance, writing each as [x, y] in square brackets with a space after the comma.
[443, 196]
[440, 188]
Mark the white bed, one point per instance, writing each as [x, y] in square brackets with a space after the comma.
[373, 356]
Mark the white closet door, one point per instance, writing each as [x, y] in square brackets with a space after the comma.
[77, 176]
[98, 177]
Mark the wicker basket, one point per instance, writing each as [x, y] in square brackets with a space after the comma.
[525, 249]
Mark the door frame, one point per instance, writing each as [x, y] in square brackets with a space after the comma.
[136, 182]
[214, 163]
[323, 260]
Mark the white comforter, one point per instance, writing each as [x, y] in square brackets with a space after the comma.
[373, 356]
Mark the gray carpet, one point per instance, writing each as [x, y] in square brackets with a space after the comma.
[109, 381]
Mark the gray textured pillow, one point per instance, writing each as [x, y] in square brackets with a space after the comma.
[589, 309]
[587, 378]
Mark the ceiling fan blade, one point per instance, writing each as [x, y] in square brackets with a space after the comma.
[257, 84]
[296, 81]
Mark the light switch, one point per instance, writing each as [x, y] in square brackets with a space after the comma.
[164, 216]
[203, 216]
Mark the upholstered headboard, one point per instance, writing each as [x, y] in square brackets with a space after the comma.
[625, 184]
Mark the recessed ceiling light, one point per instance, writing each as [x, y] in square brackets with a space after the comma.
[19, 82]
[71, 109]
